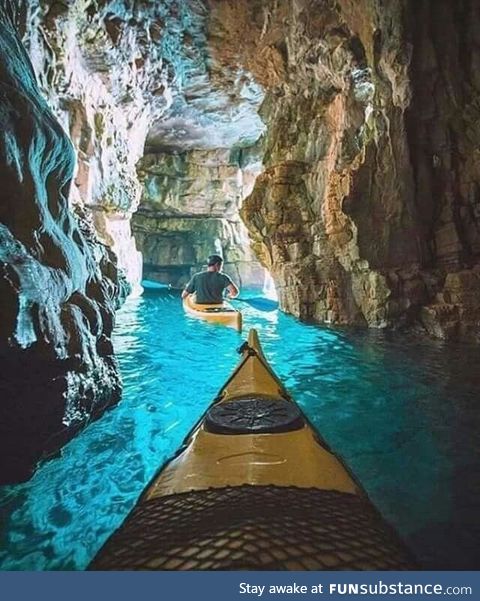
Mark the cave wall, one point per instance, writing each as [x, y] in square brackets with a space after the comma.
[120, 75]
[103, 69]
[59, 286]
[443, 131]
[366, 211]
[190, 209]
[200, 161]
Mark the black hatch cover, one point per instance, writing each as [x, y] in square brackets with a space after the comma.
[253, 416]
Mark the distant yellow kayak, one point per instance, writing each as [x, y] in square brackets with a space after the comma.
[254, 487]
[223, 313]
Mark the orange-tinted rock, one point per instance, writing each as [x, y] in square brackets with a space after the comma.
[377, 105]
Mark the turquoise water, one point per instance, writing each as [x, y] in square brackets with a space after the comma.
[403, 413]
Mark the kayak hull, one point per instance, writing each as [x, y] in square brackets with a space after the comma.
[224, 313]
[293, 458]
[254, 487]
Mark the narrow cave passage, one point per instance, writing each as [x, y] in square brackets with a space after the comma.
[190, 208]
[309, 144]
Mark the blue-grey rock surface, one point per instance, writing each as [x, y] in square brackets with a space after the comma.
[59, 286]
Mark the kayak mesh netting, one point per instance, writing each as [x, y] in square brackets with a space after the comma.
[254, 528]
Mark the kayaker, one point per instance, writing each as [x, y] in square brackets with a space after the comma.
[208, 286]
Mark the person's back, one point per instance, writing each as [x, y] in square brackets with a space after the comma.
[208, 286]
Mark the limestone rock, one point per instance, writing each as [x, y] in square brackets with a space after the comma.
[122, 74]
[190, 209]
[58, 286]
[366, 209]
[367, 206]
[102, 70]
[456, 312]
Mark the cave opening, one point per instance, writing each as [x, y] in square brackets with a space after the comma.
[190, 208]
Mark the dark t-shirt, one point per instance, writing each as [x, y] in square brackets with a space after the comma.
[208, 286]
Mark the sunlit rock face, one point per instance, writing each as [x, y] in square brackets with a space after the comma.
[189, 210]
[200, 162]
[58, 286]
[104, 77]
[116, 70]
[367, 210]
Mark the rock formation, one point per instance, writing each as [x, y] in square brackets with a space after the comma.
[58, 286]
[366, 208]
[367, 211]
[104, 77]
[190, 208]
[348, 130]
[117, 71]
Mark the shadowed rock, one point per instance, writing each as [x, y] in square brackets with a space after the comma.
[375, 104]
[58, 285]
[368, 208]
[189, 209]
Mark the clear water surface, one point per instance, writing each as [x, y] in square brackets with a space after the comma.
[403, 413]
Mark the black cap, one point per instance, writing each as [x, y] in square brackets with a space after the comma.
[214, 260]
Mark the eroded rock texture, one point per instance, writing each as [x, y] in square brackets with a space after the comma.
[189, 209]
[58, 286]
[103, 75]
[115, 71]
[349, 130]
[367, 210]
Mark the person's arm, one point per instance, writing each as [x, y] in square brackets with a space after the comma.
[232, 290]
[189, 288]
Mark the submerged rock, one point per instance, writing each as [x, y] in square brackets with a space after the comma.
[59, 286]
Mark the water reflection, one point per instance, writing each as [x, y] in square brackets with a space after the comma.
[402, 412]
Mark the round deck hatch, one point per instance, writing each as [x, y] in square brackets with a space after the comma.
[253, 416]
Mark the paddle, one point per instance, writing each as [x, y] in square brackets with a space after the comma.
[153, 285]
[262, 304]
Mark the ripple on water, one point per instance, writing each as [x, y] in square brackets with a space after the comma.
[404, 414]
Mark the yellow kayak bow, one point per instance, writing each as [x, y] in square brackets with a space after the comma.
[254, 488]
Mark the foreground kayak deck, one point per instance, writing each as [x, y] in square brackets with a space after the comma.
[254, 487]
[224, 313]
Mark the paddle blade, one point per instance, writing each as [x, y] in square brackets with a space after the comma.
[157, 289]
[152, 285]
